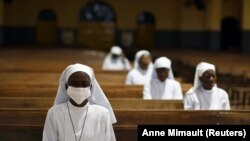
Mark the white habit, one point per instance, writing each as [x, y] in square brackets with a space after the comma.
[116, 64]
[58, 126]
[100, 117]
[138, 76]
[120, 63]
[201, 99]
[198, 98]
[168, 90]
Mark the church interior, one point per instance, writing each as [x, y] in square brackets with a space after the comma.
[39, 38]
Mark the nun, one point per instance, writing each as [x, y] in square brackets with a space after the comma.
[162, 84]
[116, 60]
[205, 95]
[142, 70]
[81, 110]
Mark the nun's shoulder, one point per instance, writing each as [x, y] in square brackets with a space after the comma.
[57, 108]
[190, 92]
[107, 58]
[132, 72]
[175, 82]
[222, 91]
[98, 109]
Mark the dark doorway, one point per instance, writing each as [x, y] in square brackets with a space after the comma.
[145, 35]
[46, 31]
[230, 35]
[97, 25]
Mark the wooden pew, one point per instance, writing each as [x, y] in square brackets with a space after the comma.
[103, 77]
[240, 97]
[47, 60]
[231, 69]
[135, 117]
[111, 91]
[125, 129]
[27, 124]
[34, 132]
[42, 78]
[43, 65]
[37, 90]
[122, 103]
[42, 60]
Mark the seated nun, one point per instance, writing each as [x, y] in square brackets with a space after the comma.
[142, 70]
[162, 84]
[81, 110]
[116, 60]
[205, 95]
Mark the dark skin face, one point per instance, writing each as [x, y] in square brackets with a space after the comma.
[115, 56]
[162, 74]
[144, 61]
[208, 79]
[78, 80]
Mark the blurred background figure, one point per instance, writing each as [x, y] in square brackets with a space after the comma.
[116, 60]
[142, 70]
[205, 95]
[162, 85]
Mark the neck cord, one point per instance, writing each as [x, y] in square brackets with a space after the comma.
[73, 125]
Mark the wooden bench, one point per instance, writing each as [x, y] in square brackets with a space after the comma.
[240, 97]
[103, 77]
[122, 103]
[34, 132]
[111, 91]
[40, 90]
[47, 60]
[27, 124]
[134, 117]
[231, 69]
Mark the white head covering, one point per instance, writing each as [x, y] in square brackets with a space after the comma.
[119, 63]
[200, 69]
[138, 55]
[97, 95]
[163, 62]
[116, 50]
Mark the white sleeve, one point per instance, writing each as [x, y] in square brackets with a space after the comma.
[50, 130]
[147, 91]
[127, 64]
[188, 103]
[178, 91]
[105, 64]
[226, 104]
[129, 79]
[110, 135]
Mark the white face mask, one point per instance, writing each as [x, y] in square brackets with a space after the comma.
[78, 94]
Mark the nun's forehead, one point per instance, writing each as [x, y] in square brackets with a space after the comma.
[145, 55]
[162, 69]
[209, 71]
[79, 74]
[75, 68]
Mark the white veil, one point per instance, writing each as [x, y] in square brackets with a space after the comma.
[97, 95]
[163, 62]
